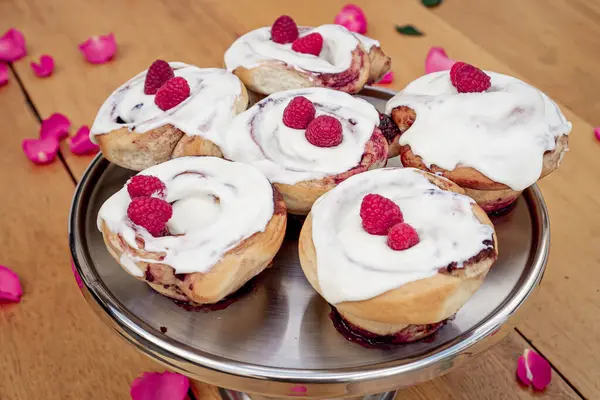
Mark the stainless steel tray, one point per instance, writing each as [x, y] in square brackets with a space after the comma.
[278, 340]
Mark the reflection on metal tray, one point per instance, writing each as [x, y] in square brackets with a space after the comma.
[278, 340]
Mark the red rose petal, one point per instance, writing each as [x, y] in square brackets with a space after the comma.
[597, 132]
[81, 143]
[12, 45]
[437, 60]
[353, 18]
[99, 49]
[522, 372]
[387, 78]
[10, 286]
[160, 386]
[76, 275]
[540, 369]
[55, 126]
[44, 68]
[40, 151]
[3, 74]
[534, 369]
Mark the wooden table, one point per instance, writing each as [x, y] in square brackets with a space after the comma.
[53, 347]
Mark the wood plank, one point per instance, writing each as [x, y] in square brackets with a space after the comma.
[490, 376]
[553, 43]
[52, 346]
[565, 315]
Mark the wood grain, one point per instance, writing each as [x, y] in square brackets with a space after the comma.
[490, 376]
[51, 344]
[551, 44]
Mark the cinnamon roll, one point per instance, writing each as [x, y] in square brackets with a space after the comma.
[344, 61]
[136, 128]
[196, 229]
[340, 138]
[396, 251]
[492, 143]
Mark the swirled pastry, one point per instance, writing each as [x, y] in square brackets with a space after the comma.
[492, 143]
[300, 166]
[397, 251]
[137, 128]
[222, 224]
[343, 61]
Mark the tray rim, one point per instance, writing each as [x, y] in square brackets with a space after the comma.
[176, 355]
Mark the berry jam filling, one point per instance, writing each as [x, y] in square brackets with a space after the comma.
[388, 127]
[223, 304]
[499, 212]
[411, 333]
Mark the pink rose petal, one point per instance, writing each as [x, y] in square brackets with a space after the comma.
[55, 126]
[81, 143]
[10, 286]
[437, 60]
[40, 151]
[76, 274]
[3, 74]
[44, 68]
[353, 18]
[160, 386]
[12, 45]
[387, 78]
[597, 132]
[99, 49]
[534, 369]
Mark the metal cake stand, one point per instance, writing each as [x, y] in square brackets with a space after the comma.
[277, 341]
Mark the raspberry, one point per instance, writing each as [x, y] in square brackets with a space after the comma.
[455, 67]
[309, 44]
[324, 131]
[284, 30]
[159, 72]
[469, 79]
[150, 213]
[379, 214]
[146, 186]
[402, 236]
[172, 93]
[388, 127]
[298, 113]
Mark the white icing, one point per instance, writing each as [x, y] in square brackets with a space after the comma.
[207, 112]
[503, 132]
[353, 265]
[367, 42]
[258, 136]
[256, 47]
[207, 229]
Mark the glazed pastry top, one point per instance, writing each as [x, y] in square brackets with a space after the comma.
[259, 137]
[216, 205]
[256, 47]
[502, 132]
[206, 112]
[354, 265]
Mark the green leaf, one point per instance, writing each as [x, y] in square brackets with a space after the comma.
[431, 3]
[408, 30]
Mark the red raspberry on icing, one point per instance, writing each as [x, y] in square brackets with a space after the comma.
[284, 30]
[172, 93]
[379, 214]
[324, 131]
[146, 186]
[402, 236]
[469, 79]
[150, 213]
[299, 113]
[309, 44]
[159, 72]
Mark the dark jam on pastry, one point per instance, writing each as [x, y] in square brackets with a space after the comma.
[411, 333]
